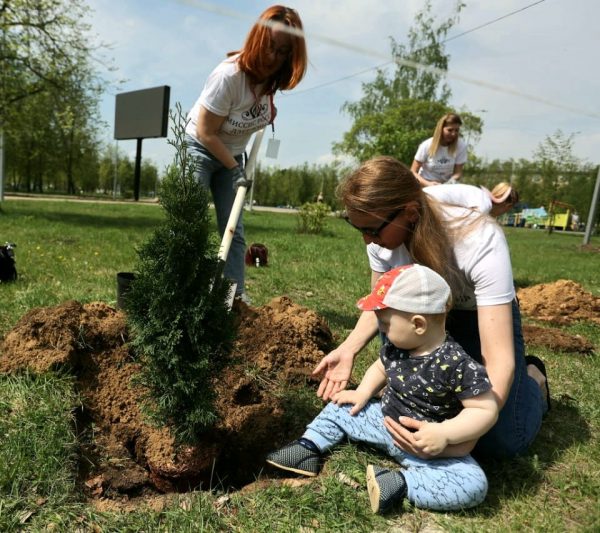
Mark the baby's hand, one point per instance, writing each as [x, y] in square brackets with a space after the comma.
[431, 438]
[353, 397]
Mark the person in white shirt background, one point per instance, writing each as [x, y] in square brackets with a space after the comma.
[441, 158]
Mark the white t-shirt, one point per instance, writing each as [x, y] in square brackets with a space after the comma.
[482, 257]
[461, 194]
[441, 166]
[227, 93]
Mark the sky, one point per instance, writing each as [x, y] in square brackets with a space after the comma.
[527, 75]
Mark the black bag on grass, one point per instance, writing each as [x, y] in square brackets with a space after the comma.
[8, 270]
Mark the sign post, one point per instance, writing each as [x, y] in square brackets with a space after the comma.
[592, 214]
[139, 115]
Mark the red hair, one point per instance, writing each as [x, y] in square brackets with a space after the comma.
[252, 57]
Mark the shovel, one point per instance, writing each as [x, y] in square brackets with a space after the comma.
[236, 210]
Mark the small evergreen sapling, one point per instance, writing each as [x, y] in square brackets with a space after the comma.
[181, 326]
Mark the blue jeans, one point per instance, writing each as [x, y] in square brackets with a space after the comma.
[211, 173]
[521, 417]
[436, 484]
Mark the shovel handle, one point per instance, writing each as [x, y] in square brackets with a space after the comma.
[238, 203]
[234, 216]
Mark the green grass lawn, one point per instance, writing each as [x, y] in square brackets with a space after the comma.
[71, 250]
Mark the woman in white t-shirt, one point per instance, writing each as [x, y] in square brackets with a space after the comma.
[441, 158]
[237, 101]
[401, 224]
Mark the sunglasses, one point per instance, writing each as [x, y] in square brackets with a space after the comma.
[374, 232]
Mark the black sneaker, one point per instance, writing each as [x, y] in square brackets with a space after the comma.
[386, 488]
[297, 458]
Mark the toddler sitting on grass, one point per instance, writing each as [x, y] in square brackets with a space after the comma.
[427, 376]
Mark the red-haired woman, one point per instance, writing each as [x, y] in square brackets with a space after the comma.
[237, 101]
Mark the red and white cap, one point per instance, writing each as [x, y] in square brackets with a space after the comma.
[410, 288]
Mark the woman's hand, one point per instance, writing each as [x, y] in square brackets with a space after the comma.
[403, 433]
[335, 370]
[431, 438]
[405, 437]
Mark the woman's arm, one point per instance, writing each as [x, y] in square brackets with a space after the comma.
[207, 128]
[403, 431]
[457, 173]
[415, 167]
[335, 368]
[372, 382]
[497, 347]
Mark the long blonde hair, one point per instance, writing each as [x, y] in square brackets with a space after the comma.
[446, 120]
[383, 185]
[504, 192]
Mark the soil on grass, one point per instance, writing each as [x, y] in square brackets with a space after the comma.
[562, 302]
[122, 455]
[124, 458]
[556, 339]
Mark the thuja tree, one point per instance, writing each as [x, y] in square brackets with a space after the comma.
[182, 328]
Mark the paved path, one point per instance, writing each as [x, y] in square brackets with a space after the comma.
[144, 201]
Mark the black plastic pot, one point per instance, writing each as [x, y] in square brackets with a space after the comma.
[124, 280]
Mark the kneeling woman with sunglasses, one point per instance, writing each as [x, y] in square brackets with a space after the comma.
[401, 224]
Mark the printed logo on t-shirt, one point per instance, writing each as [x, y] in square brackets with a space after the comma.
[255, 111]
[249, 121]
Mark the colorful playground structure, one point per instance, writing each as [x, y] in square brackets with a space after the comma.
[559, 216]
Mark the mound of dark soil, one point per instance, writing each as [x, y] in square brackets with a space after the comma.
[556, 339]
[278, 345]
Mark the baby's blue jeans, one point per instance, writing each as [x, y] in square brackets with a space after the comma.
[436, 484]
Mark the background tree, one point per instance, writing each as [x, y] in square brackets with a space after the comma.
[396, 113]
[297, 185]
[107, 169]
[43, 44]
[554, 173]
[556, 161]
[579, 189]
[76, 124]
[396, 131]
[149, 180]
[28, 139]
[49, 93]
[526, 179]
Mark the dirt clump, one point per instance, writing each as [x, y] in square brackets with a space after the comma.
[562, 302]
[556, 340]
[277, 347]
